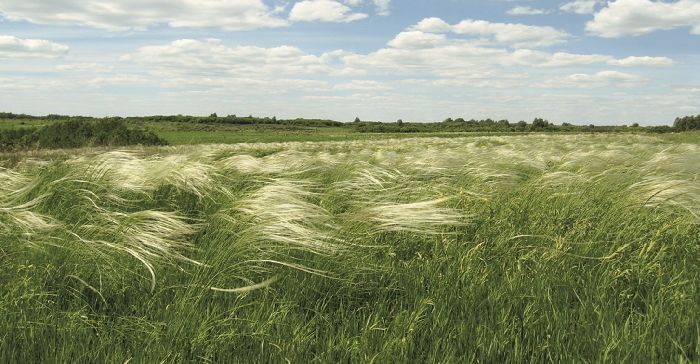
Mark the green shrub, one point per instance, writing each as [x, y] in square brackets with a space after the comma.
[77, 134]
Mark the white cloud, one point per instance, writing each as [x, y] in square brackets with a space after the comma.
[325, 11]
[642, 61]
[211, 58]
[411, 54]
[382, 6]
[116, 79]
[60, 85]
[433, 25]
[517, 35]
[85, 67]
[122, 15]
[362, 85]
[417, 39]
[595, 80]
[13, 47]
[580, 6]
[558, 59]
[637, 17]
[526, 10]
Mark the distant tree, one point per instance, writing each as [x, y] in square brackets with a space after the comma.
[460, 120]
[448, 120]
[687, 123]
[213, 115]
[635, 125]
[539, 124]
[399, 122]
[357, 120]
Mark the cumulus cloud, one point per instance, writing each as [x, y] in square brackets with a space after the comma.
[517, 35]
[212, 58]
[412, 54]
[433, 25]
[122, 15]
[637, 17]
[362, 85]
[580, 6]
[85, 67]
[558, 59]
[13, 47]
[417, 39]
[59, 85]
[325, 11]
[382, 6]
[642, 61]
[526, 10]
[600, 79]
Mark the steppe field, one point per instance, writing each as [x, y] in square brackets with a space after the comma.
[503, 249]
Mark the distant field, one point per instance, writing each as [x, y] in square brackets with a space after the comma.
[532, 248]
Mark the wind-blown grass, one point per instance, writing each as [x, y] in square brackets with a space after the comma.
[488, 249]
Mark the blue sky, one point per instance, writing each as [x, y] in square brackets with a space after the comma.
[577, 61]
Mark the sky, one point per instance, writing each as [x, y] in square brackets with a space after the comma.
[582, 62]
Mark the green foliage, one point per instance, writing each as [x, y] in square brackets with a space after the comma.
[76, 134]
[687, 123]
[236, 120]
[540, 124]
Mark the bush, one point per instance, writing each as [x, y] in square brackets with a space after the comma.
[77, 134]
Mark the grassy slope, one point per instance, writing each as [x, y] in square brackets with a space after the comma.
[557, 261]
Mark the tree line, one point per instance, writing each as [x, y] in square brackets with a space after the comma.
[32, 137]
[211, 119]
[502, 126]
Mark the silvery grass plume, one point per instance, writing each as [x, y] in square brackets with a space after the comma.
[369, 180]
[14, 185]
[425, 217]
[20, 220]
[126, 170]
[290, 162]
[148, 236]
[281, 214]
[658, 191]
[679, 159]
[16, 217]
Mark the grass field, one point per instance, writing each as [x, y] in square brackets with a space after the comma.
[534, 248]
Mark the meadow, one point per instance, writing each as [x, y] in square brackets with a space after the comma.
[523, 248]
